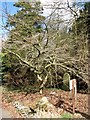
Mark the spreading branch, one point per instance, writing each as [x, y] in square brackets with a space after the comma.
[23, 61]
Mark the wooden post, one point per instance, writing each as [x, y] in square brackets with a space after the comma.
[73, 96]
[73, 88]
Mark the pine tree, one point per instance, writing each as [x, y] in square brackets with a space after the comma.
[23, 40]
[25, 19]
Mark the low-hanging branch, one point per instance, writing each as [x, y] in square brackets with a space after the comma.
[64, 66]
[48, 65]
[23, 61]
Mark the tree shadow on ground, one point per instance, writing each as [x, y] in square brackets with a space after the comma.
[87, 116]
[66, 106]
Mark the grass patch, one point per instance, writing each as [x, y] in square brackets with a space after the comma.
[66, 115]
[53, 89]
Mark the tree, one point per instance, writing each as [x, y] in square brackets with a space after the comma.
[79, 29]
[87, 8]
[37, 52]
[23, 41]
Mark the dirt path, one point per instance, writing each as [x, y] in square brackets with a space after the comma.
[4, 113]
[6, 110]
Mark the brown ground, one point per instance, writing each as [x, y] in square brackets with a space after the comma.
[59, 98]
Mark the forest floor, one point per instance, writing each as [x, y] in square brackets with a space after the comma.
[58, 98]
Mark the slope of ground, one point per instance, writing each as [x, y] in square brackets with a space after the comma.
[59, 98]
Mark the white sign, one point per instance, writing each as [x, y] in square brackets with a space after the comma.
[70, 84]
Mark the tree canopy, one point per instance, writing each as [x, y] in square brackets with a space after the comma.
[36, 50]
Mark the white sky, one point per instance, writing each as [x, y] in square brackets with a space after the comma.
[49, 2]
[47, 11]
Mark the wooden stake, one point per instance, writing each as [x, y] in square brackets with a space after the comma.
[73, 96]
